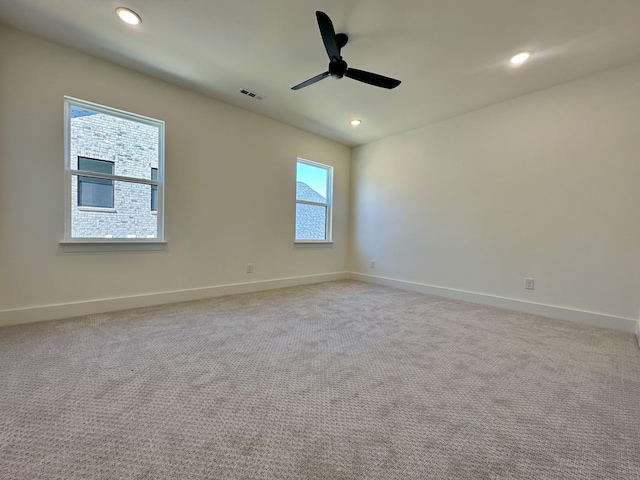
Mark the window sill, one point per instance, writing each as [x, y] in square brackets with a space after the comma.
[313, 244]
[116, 245]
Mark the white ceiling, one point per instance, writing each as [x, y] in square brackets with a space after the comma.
[451, 55]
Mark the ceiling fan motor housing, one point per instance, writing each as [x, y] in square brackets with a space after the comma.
[337, 68]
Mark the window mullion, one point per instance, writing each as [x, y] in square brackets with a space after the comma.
[308, 202]
[120, 178]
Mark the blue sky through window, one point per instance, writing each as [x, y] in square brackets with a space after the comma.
[81, 112]
[315, 177]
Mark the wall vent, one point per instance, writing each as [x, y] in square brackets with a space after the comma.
[249, 93]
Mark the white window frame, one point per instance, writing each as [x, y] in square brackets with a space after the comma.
[328, 205]
[69, 172]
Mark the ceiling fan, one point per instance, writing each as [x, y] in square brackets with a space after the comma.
[338, 68]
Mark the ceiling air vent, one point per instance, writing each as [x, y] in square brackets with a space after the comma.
[249, 93]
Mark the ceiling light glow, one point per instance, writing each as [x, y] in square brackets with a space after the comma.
[520, 58]
[128, 16]
[355, 122]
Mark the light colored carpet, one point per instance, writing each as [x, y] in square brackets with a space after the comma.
[341, 380]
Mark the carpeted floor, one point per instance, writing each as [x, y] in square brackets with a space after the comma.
[342, 380]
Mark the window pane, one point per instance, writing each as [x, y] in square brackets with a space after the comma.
[154, 190]
[312, 183]
[154, 198]
[95, 165]
[130, 217]
[95, 192]
[132, 147]
[311, 222]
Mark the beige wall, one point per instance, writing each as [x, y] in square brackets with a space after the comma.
[230, 188]
[545, 186]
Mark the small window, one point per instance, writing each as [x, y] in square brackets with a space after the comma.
[314, 189]
[114, 164]
[95, 192]
[154, 190]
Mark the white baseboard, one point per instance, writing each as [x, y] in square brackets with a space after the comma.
[66, 310]
[562, 313]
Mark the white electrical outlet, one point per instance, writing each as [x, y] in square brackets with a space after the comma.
[529, 283]
[249, 267]
[372, 264]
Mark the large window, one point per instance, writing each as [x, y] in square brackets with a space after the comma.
[114, 163]
[314, 191]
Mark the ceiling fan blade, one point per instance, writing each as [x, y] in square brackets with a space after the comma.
[372, 78]
[311, 81]
[328, 35]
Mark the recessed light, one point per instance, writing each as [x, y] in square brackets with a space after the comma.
[128, 16]
[519, 58]
[355, 122]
